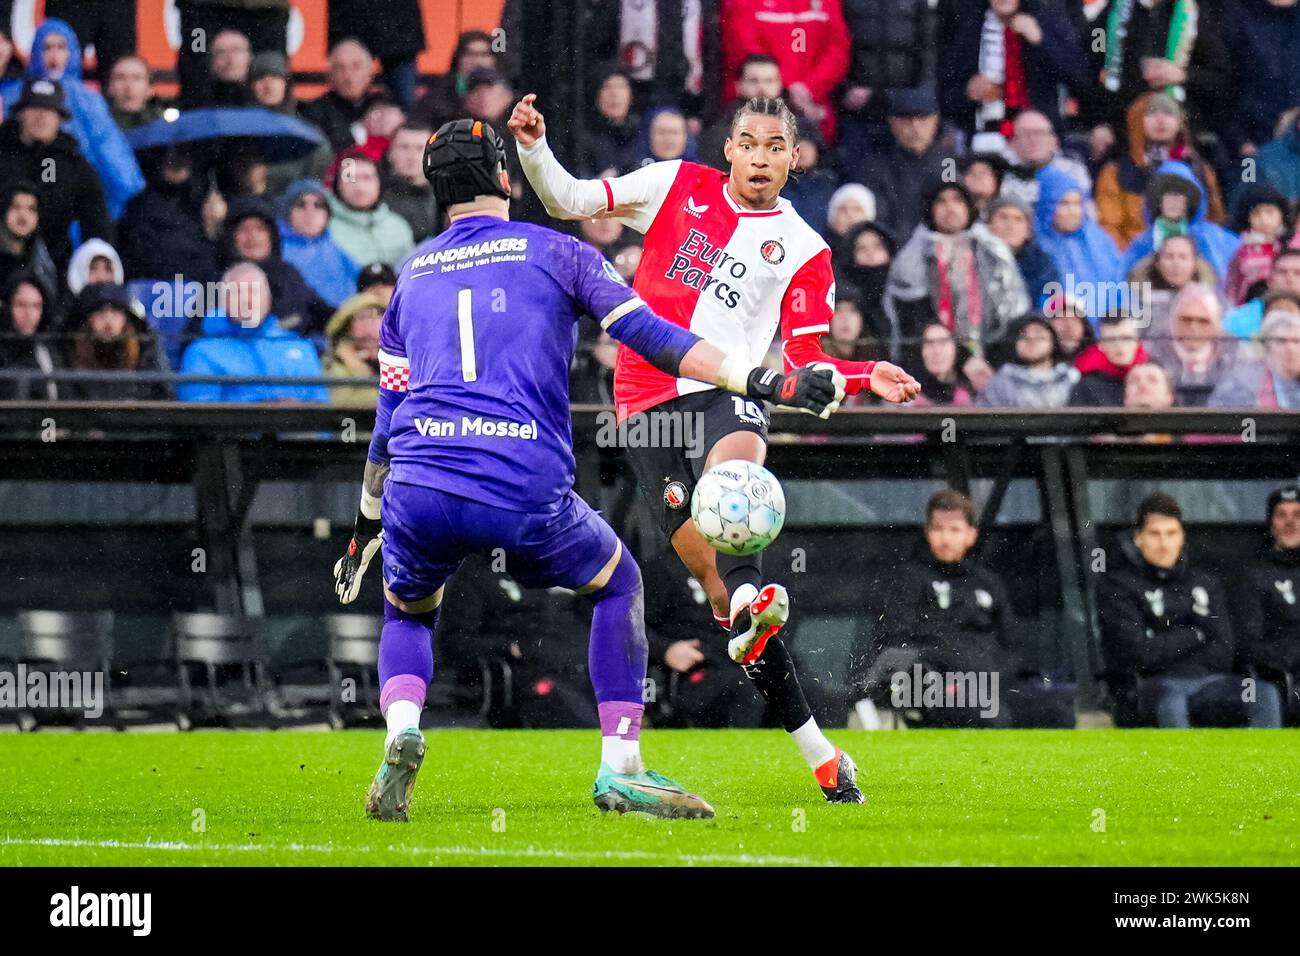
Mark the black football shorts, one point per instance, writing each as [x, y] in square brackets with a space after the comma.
[668, 445]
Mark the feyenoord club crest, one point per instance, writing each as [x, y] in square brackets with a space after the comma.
[675, 495]
[772, 252]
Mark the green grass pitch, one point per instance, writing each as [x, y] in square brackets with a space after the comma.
[1200, 798]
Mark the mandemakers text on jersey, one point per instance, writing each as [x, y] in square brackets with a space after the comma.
[478, 425]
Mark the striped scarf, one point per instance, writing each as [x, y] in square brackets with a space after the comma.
[1000, 60]
[1178, 44]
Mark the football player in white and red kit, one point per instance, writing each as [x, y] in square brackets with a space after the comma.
[728, 258]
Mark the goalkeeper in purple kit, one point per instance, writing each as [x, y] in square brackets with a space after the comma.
[472, 452]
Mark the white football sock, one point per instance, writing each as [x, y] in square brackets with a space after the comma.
[812, 743]
[622, 755]
[402, 715]
[742, 598]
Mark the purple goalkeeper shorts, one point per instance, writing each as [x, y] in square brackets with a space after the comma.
[427, 533]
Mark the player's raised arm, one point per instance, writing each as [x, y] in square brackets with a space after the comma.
[633, 199]
[806, 313]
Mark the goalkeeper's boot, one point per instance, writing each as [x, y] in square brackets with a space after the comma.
[390, 793]
[647, 792]
[838, 778]
[757, 624]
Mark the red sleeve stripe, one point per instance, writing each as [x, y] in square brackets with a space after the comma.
[609, 196]
[811, 329]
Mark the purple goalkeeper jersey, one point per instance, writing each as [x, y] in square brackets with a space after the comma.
[480, 334]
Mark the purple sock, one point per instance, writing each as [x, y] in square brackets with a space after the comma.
[620, 719]
[405, 656]
[616, 656]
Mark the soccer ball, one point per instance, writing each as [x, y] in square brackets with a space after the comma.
[739, 507]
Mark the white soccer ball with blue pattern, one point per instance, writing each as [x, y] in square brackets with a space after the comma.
[738, 506]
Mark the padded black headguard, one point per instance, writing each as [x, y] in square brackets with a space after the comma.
[463, 160]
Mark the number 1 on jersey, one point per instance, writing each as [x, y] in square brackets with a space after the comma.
[465, 316]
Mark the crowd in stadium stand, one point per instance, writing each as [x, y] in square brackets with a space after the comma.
[1030, 203]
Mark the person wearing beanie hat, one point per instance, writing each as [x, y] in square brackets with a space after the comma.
[915, 155]
[271, 83]
[953, 267]
[1069, 317]
[353, 337]
[306, 243]
[1012, 221]
[56, 58]
[1264, 222]
[31, 144]
[378, 278]
[110, 334]
[1157, 132]
[850, 205]
[1269, 604]
[1037, 376]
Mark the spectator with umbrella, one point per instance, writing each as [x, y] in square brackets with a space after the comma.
[162, 232]
[272, 86]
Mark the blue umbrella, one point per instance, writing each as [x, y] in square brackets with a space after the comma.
[279, 137]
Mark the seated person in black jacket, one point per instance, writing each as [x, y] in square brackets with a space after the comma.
[1270, 601]
[954, 615]
[1166, 634]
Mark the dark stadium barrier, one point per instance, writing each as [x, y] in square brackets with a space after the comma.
[224, 452]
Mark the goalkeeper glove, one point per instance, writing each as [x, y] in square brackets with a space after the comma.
[367, 537]
[817, 389]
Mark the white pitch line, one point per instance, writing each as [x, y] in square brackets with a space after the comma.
[480, 851]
